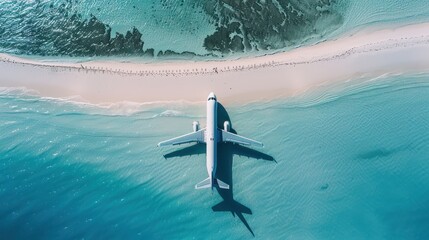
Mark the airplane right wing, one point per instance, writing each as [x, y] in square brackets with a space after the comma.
[231, 137]
[197, 136]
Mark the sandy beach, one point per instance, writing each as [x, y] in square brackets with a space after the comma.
[369, 53]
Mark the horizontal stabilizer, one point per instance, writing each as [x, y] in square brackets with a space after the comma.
[206, 183]
[222, 184]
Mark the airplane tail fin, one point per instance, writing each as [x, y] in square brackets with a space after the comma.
[206, 183]
[222, 184]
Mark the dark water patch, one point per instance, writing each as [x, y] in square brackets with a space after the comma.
[324, 187]
[42, 28]
[268, 24]
[382, 152]
[377, 153]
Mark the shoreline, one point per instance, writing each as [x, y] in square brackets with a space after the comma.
[366, 53]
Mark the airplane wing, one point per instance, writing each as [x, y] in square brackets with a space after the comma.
[231, 137]
[197, 136]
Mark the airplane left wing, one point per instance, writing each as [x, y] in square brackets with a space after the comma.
[197, 136]
[231, 137]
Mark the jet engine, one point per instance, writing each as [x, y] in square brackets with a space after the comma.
[226, 126]
[195, 126]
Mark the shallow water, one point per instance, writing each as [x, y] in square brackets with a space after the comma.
[351, 162]
[44, 28]
[360, 14]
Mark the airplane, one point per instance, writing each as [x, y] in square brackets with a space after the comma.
[211, 135]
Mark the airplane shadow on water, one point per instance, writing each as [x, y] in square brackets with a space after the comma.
[225, 155]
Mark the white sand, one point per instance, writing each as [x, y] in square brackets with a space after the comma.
[368, 53]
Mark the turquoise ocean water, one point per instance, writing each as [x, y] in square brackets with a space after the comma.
[360, 14]
[346, 162]
[51, 28]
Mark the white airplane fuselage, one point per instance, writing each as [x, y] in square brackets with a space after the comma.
[211, 137]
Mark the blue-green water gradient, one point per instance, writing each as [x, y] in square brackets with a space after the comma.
[352, 163]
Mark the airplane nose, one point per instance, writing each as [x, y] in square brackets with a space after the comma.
[212, 95]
